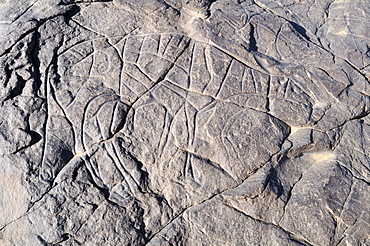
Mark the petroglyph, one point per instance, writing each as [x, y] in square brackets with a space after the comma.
[184, 123]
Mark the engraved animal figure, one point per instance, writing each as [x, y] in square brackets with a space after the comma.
[186, 101]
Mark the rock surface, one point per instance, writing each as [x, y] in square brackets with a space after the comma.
[184, 122]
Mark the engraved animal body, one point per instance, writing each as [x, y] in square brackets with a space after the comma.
[186, 102]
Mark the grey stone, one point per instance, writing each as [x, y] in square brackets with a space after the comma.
[184, 122]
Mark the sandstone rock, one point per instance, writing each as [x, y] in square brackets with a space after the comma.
[183, 122]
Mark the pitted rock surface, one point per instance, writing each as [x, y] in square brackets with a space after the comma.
[184, 122]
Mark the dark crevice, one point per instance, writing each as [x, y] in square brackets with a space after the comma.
[252, 40]
[368, 51]
[300, 29]
[64, 238]
[274, 183]
[72, 12]
[268, 103]
[361, 116]
[72, 2]
[33, 54]
[43, 241]
[35, 138]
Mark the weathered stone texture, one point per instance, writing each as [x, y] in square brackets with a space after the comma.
[184, 122]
